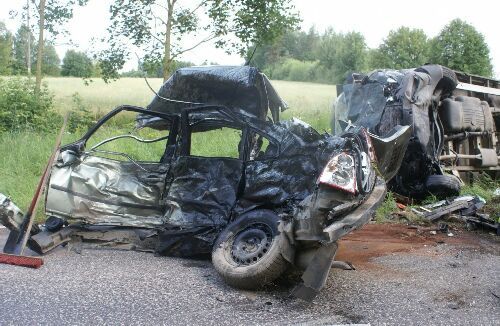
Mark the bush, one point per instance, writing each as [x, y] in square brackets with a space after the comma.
[21, 109]
[80, 118]
[296, 70]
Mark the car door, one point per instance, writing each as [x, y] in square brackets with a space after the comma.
[206, 176]
[115, 174]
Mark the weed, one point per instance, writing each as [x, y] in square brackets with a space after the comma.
[388, 207]
[81, 118]
[482, 185]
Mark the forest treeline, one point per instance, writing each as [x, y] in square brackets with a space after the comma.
[329, 56]
[298, 55]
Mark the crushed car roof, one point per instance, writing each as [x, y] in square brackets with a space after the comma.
[234, 87]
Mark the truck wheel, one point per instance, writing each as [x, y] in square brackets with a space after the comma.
[247, 253]
[448, 83]
[443, 186]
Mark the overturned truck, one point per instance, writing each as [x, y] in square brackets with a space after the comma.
[454, 119]
[208, 168]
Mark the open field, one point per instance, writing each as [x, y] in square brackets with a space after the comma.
[23, 155]
[308, 101]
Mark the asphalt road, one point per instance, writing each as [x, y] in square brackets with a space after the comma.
[402, 278]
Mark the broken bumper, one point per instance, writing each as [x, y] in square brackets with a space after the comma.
[359, 217]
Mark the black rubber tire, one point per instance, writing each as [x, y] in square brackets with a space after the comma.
[448, 83]
[256, 274]
[54, 224]
[443, 186]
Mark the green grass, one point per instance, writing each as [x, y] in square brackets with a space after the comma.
[24, 155]
[384, 211]
[308, 101]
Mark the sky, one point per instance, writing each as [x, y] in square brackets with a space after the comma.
[374, 19]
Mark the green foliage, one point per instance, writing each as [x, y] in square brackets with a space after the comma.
[21, 50]
[28, 153]
[21, 109]
[56, 13]
[458, 46]
[80, 118]
[386, 209]
[77, 64]
[293, 69]
[461, 47]
[229, 24]
[51, 62]
[153, 68]
[302, 56]
[403, 48]
[5, 50]
[349, 55]
[482, 185]
[341, 54]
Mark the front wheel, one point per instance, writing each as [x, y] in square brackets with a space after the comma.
[247, 254]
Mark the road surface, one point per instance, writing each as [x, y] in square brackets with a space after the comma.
[403, 276]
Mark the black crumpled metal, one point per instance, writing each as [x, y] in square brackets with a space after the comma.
[235, 87]
[207, 193]
[385, 99]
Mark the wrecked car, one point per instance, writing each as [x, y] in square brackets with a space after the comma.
[451, 131]
[216, 176]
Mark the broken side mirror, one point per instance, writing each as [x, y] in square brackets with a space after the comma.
[390, 150]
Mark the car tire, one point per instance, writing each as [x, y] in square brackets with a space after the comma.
[448, 82]
[247, 254]
[443, 186]
[54, 224]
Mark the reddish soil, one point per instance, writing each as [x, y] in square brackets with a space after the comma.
[374, 240]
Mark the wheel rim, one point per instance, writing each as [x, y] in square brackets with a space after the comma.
[250, 244]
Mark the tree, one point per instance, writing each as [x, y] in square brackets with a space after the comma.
[77, 64]
[461, 47]
[22, 39]
[403, 48]
[51, 63]
[342, 53]
[156, 28]
[293, 44]
[50, 16]
[5, 50]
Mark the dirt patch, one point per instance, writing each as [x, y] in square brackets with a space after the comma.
[374, 240]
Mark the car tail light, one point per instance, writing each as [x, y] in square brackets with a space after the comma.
[340, 173]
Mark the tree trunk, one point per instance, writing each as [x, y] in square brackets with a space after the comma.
[28, 56]
[39, 55]
[167, 61]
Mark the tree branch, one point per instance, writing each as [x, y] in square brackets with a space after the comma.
[159, 18]
[161, 6]
[150, 33]
[194, 46]
[196, 8]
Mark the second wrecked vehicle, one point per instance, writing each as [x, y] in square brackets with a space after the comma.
[453, 129]
[201, 171]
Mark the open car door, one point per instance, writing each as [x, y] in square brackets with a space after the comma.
[115, 174]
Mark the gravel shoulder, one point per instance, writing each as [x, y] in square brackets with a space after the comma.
[403, 276]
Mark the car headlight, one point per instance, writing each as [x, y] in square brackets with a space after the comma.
[340, 173]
